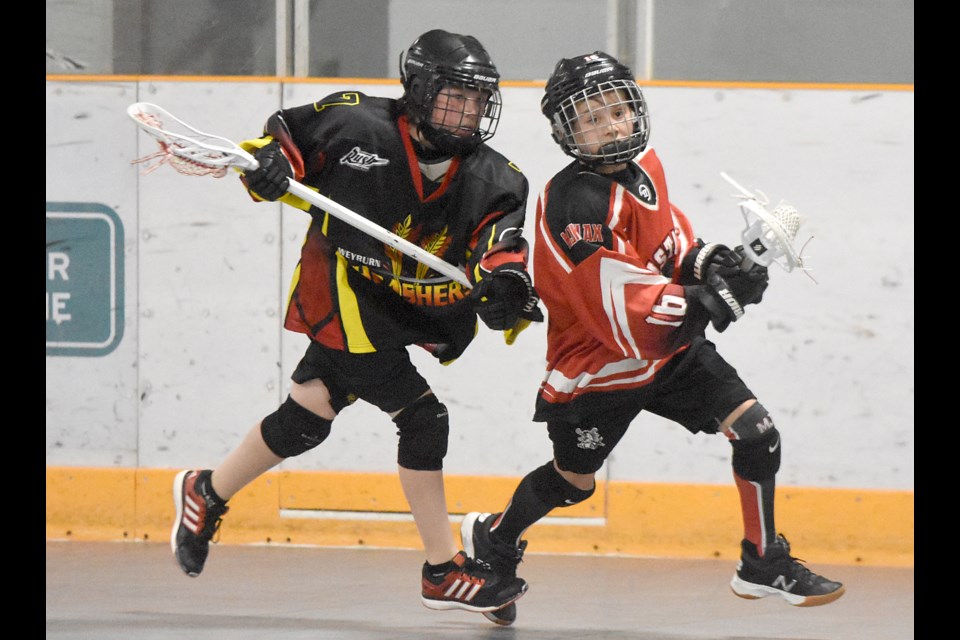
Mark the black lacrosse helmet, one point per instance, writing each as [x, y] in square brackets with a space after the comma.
[437, 59]
[596, 74]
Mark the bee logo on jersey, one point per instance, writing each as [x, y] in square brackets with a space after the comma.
[361, 160]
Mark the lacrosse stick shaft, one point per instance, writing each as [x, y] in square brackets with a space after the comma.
[372, 229]
[736, 185]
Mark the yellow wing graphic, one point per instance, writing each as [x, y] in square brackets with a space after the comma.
[435, 244]
[401, 229]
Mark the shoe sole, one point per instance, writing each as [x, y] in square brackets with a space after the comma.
[504, 616]
[750, 591]
[178, 504]
[446, 605]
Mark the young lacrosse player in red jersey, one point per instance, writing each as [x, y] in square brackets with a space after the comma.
[420, 168]
[630, 291]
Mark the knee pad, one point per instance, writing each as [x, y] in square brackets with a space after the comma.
[292, 429]
[757, 459]
[754, 423]
[423, 427]
[553, 489]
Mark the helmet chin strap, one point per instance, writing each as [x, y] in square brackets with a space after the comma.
[426, 150]
[437, 143]
[416, 133]
[618, 151]
[614, 148]
[449, 143]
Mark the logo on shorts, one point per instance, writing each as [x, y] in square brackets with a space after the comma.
[589, 439]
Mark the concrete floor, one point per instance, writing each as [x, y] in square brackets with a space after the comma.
[135, 591]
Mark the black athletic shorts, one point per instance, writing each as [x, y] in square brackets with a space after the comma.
[697, 390]
[386, 379]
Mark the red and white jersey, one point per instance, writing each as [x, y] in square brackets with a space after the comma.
[607, 266]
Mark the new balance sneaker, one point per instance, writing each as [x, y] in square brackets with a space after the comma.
[468, 585]
[198, 518]
[502, 557]
[779, 573]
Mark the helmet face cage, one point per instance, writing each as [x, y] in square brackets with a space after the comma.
[461, 113]
[583, 119]
[456, 105]
[585, 98]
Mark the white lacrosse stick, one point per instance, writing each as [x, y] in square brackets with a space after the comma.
[769, 235]
[195, 153]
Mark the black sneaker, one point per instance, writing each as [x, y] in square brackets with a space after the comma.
[502, 557]
[468, 585]
[779, 573]
[505, 616]
[198, 518]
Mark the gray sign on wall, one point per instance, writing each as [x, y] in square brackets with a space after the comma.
[84, 279]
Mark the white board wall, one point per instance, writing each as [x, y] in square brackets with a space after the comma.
[206, 271]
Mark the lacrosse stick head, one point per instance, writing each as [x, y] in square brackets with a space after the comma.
[769, 236]
[188, 150]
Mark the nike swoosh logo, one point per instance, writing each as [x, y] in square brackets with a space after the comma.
[774, 446]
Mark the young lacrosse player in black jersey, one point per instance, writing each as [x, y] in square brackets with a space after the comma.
[630, 291]
[420, 168]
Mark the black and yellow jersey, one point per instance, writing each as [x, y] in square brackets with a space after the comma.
[355, 293]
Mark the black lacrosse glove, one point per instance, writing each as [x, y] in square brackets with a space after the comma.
[505, 296]
[447, 352]
[270, 180]
[725, 298]
[699, 261]
[749, 279]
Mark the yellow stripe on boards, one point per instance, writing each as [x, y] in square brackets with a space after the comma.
[824, 526]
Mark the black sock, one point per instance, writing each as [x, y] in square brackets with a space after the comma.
[441, 569]
[536, 496]
[205, 488]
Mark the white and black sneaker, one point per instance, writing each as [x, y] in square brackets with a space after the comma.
[503, 558]
[778, 573]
